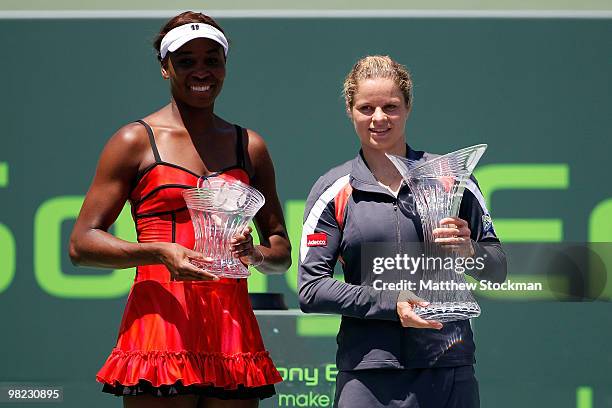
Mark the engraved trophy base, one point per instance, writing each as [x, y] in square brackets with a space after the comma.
[224, 269]
[448, 311]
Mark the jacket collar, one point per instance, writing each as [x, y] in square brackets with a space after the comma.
[362, 178]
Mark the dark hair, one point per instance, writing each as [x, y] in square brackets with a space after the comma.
[182, 19]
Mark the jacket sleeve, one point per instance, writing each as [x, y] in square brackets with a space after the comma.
[319, 292]
[484, 239]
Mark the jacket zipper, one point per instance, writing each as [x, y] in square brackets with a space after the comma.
[398, 237]
[397, 225]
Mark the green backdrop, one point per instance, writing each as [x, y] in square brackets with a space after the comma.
[538, 91]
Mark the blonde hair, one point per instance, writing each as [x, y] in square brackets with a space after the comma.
[377, 66]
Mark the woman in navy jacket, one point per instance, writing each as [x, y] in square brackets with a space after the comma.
[387, 355]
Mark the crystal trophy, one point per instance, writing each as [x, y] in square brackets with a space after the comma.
[220, 209]
[437, 186]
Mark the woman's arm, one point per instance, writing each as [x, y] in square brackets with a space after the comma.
[273, 255]
[91, 244]
[319, 291]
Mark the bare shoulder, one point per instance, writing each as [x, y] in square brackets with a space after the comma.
[256, 145]
[126, 149]
[131, 136]
[259, 157]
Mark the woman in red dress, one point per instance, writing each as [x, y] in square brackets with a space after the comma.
[187, 338]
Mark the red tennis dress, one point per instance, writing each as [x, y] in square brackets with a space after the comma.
[190, 333]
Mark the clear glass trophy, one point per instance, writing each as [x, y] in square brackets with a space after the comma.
[437, 186]
[220, 209]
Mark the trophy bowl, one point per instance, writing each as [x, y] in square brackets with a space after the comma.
[437, 186]
[220, 209]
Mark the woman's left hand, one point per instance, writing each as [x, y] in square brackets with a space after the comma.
[455, 232]
[243, 248]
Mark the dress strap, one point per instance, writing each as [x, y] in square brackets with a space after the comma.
[239, 148]
[151, 140]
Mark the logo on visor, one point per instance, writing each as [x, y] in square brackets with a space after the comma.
[195, 27]
[316, 240]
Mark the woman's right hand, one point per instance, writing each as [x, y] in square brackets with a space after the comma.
[177, 259]
[405, 310]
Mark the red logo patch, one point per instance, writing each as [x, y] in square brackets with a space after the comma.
[316, 240]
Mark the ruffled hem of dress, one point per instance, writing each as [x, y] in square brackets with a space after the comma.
[228, 371]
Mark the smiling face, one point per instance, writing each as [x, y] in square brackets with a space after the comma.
[379, 114]
[196, 72]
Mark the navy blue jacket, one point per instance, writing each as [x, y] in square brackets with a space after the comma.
[347, 208]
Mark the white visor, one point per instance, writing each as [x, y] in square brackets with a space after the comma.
[179, 36]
